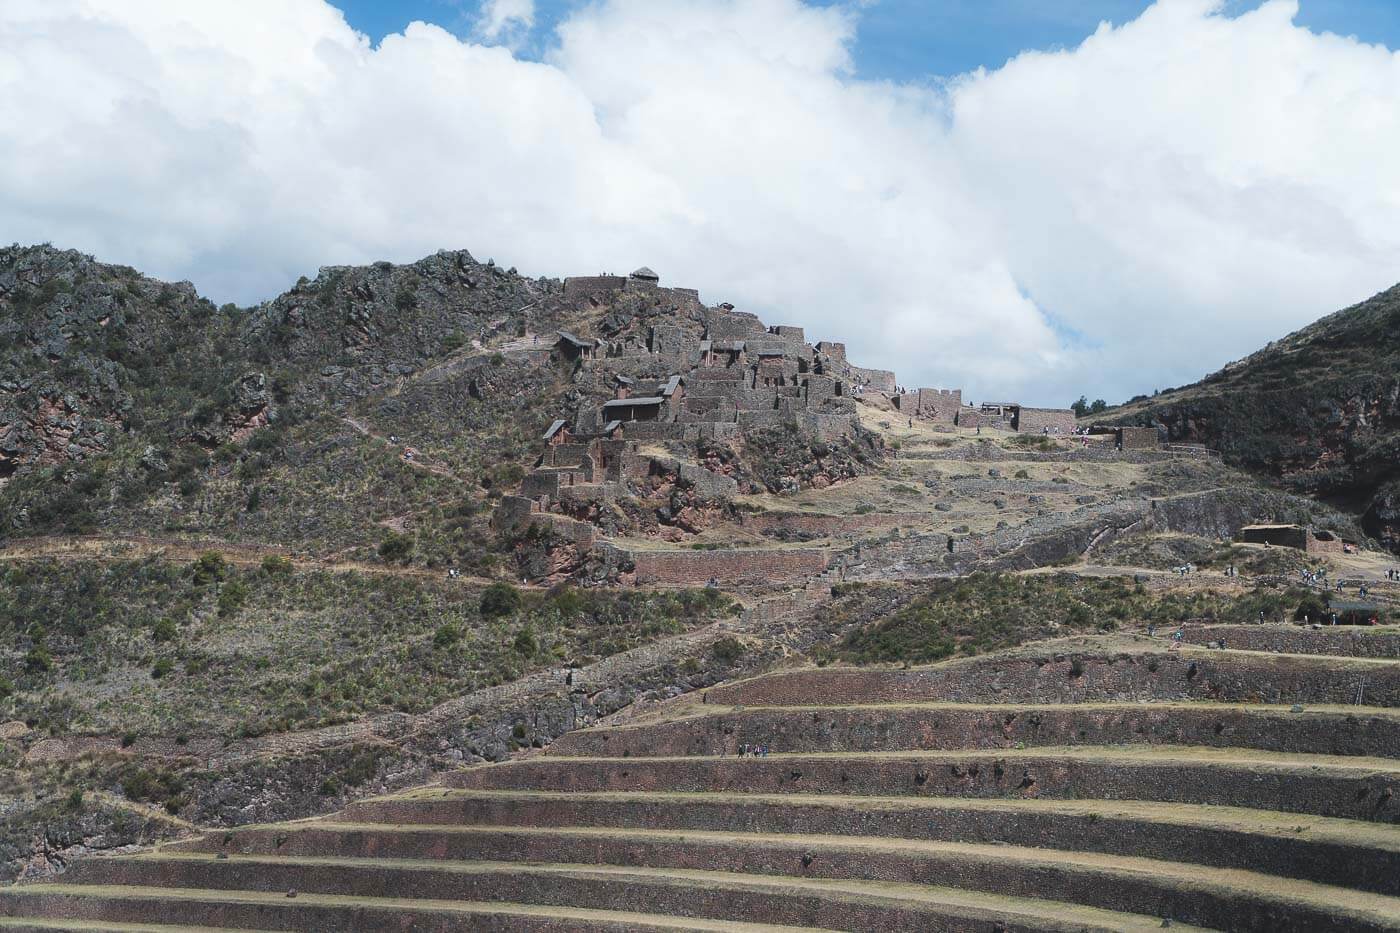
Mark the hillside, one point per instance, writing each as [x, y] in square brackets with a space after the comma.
[1317, 411]
[259, 563]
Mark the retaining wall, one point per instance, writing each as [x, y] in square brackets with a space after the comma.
[1157, 674]
[1358, 793]
[1328, 856]
[728, 567]
[876, 729]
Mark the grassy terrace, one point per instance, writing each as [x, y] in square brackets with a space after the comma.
[136, 647]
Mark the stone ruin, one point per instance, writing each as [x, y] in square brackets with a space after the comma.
[664, 367]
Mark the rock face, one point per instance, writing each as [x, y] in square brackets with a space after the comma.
[1318, 411]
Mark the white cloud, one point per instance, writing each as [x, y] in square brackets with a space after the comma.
[501, 19]
[1176, 191]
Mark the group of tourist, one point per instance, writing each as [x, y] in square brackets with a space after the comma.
[753, 751]
[1311, 577]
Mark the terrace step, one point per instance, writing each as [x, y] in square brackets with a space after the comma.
[76, 908]
[1330, 851]
[535, 890]
[1333, 730]
[49, 925]
[1338, 641]
[1233, 899]
[1349, 787]
[1080, 675]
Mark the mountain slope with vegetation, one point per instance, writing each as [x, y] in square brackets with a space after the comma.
[1318, 411]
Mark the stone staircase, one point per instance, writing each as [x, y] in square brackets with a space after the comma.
[1083, 784]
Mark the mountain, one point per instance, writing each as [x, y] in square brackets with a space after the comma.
[1317, 411]
[129, 404]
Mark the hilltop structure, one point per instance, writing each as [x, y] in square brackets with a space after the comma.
[666, 368]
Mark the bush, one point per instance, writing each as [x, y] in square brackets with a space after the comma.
[7, 687]
[275, 565]
[499, 599]
[727, 650]
[209, 567]
[395, 548]
[446, 636]
[38, 660]
[525, 644]
[232, 597]
[164, 630]
[162, 667]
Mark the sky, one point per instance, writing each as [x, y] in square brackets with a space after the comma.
[1016, 198]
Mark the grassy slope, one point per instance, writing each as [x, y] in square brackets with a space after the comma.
[135, 647]
[1318, 410]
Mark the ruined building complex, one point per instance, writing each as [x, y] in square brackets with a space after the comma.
[664, 368]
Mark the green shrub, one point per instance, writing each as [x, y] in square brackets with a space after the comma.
[727, 650]
[209, 567]
[38, 660]
[162, 667]
[164, 630]
[525, 644]
[276, 565]
[232, 597]
[499, 599]
[7, 687]
[446, 636]
[395, 548]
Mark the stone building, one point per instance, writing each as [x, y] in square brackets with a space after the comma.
[672, 369]
[1293, 536]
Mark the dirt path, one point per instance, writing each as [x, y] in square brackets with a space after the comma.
[408, 455]
[135, 547]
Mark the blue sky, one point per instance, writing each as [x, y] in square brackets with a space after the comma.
[916, 39]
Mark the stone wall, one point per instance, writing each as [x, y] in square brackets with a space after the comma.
[881, 380]
[1153, 674]
[791, 730]
[728, 567]
[583, 286]
[1038, 420]
[512, 515]
[940, 405]
[730, 325]
[1138, 438]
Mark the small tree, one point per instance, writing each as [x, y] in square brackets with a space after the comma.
[209, 567]
[499, 599]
